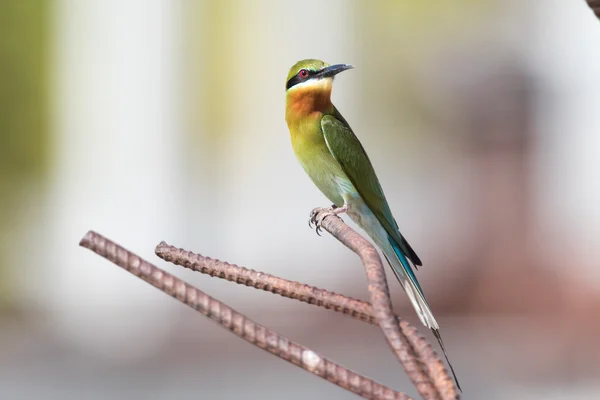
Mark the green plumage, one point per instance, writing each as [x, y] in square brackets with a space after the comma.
[350, 154]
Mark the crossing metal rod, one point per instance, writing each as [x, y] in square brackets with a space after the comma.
[238, 323]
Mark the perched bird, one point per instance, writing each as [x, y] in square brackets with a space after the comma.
[338, 165]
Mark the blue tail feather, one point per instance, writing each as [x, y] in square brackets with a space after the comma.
[406, 264]
[411, 275]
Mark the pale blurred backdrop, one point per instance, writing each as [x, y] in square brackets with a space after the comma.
[152, 120]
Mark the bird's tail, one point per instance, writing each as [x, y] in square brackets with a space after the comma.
[406, 276]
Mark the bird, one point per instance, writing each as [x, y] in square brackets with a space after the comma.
[337, 163]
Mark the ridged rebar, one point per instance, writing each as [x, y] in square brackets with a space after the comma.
[382, 305]
[354, 308]
[420, 360]
[238, 323]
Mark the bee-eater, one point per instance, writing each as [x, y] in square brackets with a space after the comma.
[338, 165]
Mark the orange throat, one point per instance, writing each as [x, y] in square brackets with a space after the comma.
[308, 100]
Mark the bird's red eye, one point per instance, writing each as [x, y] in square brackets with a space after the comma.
[303, 73]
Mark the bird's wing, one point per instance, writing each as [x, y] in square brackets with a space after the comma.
[350, 154]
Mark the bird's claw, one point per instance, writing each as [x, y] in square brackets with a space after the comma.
[312, 219]
[318, 215]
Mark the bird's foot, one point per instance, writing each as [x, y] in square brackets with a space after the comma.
[318, 215]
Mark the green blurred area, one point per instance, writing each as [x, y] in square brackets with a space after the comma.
[23, 112]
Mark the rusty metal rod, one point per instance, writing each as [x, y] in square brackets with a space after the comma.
[595, 6]
[424, 365]
[432, 367]
[238, 323]
[382, 304]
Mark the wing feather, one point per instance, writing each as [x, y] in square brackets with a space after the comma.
[350, 154]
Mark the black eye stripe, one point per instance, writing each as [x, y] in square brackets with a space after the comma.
[296, 79]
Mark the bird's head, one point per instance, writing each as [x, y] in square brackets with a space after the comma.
[309, 86]
[313, 73]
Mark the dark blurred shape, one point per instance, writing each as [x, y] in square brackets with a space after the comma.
[595, 6]
[496, 108]
[494, 96]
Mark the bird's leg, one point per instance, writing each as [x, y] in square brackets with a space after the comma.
[318, 215]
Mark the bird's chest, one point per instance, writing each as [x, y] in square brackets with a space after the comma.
[320, 165]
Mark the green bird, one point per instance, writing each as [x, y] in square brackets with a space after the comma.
[338, 165]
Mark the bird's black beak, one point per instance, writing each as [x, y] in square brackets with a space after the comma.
[333, 70]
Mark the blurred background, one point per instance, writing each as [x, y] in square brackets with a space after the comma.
[152, 120]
